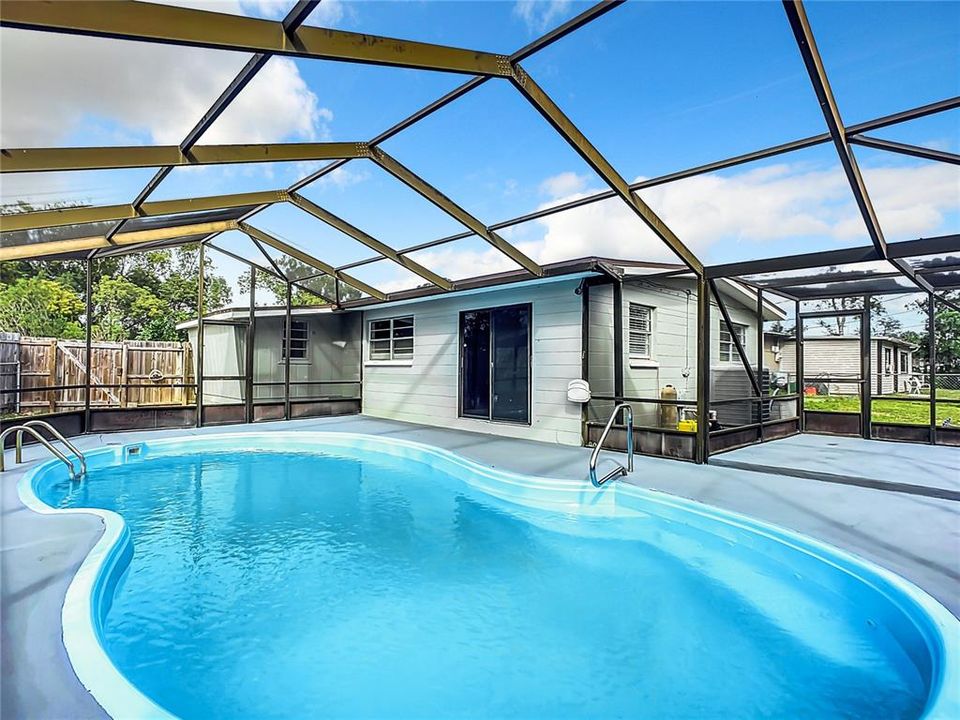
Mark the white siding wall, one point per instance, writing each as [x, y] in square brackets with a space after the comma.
[426, 391]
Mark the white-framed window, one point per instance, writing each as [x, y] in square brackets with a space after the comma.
[299, 335]
[391, 339]
[641, 331]
[728, 351]
[904, 361]
[888, 360]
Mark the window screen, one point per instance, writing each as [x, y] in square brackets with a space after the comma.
[641, 330]
[391, 339]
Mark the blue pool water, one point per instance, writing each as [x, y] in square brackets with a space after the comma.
[343, 584]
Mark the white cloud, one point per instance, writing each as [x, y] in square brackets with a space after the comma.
[563, 185]
[539, 15]
[62, 89]
[784, 202]
[774, 203]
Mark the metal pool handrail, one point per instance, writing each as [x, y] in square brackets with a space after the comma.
[40, 439]
[56, 434]
[619, 470]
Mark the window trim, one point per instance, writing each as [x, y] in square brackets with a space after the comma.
[648, 356]
[393, 360]
[734, 356]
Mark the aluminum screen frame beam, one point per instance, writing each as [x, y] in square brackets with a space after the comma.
[23, 160]
[552, 113]
[308, 259]
[149, 22]
[800, 25]
[59, 247]
[941, 244]
[60, 217]
[904, 149]
[360, 236]
[430, 193]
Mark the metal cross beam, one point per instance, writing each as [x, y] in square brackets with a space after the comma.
[60, 217]
[797, 16]
[578, 141]
[421, 186]
[371, 242]
[905, 149]
[58, 247]
[149, 22]
[307, 259]
[20, 160]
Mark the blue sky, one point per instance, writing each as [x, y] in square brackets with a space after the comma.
[657, 87]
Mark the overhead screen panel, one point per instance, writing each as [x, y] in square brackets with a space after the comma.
[912, 197]
[799, 202]
[492, 153]
[70, 90]
[467, 258]
[906, 55]
[25, 192]
[690, 89]
[294, 100]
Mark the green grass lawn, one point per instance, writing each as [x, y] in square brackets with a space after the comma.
[890, 410]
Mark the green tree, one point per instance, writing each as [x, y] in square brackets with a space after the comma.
[124, 310]
[41, 307]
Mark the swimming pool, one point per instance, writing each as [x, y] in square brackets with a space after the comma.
[333, 575]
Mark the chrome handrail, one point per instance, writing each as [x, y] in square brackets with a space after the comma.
[40, 439]
[619, 470]
[56, 434]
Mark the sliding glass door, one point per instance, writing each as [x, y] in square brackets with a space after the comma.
[495, 364]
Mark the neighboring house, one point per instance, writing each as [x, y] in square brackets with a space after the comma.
[838, 358]
[498, 357]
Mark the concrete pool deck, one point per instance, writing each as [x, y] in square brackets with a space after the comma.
[912, 533]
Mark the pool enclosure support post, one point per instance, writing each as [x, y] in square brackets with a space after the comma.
[798, 348]
[932, 363]
[763, 400]
[199, 349]
[584, 354]
[88, 338]
[618, 341]
[248, 348]
[703, 369]
[866, 392]
[288, 322]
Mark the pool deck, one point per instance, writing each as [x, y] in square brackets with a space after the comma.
[845, 491]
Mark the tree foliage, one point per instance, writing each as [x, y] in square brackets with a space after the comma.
[293, 268]
[142, 296]
[40, 307]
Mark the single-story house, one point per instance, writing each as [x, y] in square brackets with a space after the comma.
[835, 358]
[497, 357]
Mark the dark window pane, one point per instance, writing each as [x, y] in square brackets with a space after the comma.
[475, 358]
[511, 364]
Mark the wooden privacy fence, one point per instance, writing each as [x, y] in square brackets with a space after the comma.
[51, 374]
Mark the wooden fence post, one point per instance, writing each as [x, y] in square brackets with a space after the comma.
[123, 375]
[52, 376]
